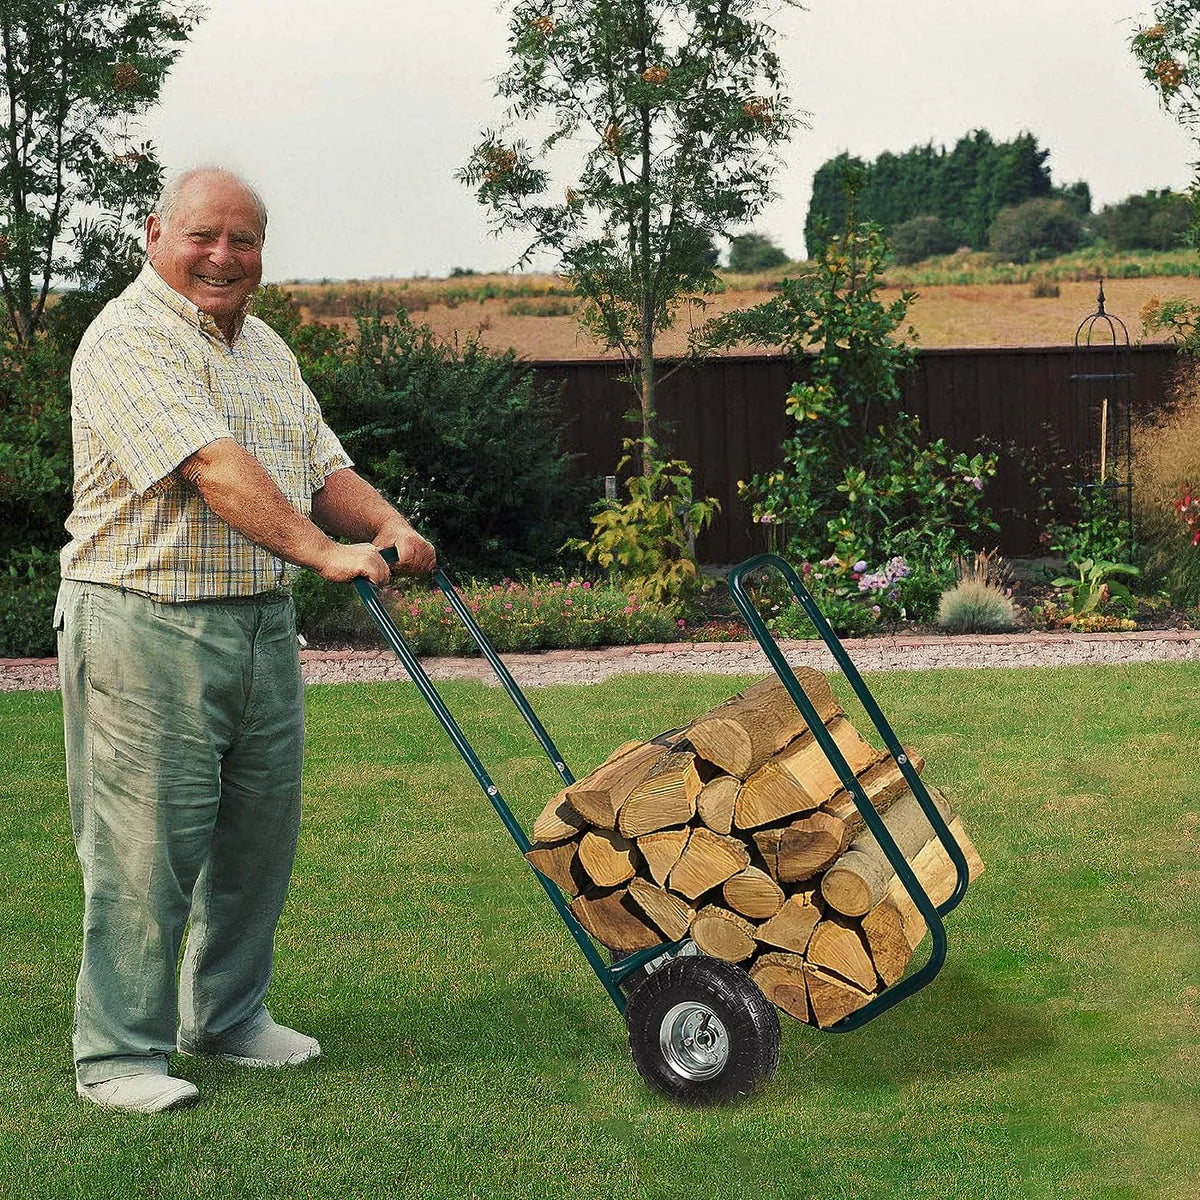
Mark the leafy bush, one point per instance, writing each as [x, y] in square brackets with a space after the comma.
[645, 544]
[460, 437]
[1039, 228]
[921, 237]
[858, 482]
[754, 252]
[1155, 220]
[538, 615]
[973, 606]
[35, 444]
[28, 586]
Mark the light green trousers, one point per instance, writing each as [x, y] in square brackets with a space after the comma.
[184, 734]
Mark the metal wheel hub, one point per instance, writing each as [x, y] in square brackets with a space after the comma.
[694, 1041]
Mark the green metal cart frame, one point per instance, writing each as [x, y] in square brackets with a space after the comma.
[700, 1030]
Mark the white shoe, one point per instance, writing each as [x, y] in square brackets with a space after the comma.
[274, 1046]
[147, 1092]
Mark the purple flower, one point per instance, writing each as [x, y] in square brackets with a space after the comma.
[860, 566]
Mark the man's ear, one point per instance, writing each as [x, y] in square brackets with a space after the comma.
[153, 233]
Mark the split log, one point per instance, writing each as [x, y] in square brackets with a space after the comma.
[715, 803]
[792, 926]
[613, 919]
[932, 866]
[667, 796]
[598, 797]
[607, 857]
[672, 916]
[796, 852]
[859, 879]
[883, 928]
[662, 850]
[836, 946]
[780, 977]
[894, 928]
[707, 860]
[883, 782]
[831, 998]
[559, 862]
[723, 934]
[741, 734]
[558, 821]
[801, 778]
[753, 893]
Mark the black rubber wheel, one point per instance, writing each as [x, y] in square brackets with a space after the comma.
[701, 1032]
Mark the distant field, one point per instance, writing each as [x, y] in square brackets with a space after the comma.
[963, 300]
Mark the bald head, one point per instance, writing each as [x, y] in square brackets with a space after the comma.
[169, 197]
[205, 240]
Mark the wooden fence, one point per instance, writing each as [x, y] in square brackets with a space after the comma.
[728, 420]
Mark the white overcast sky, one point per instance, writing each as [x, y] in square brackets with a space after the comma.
[352, 115]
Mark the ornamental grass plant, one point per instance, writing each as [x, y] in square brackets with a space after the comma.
[1167, 453]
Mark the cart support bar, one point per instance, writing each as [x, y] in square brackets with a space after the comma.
[931, 914]
[370, 597]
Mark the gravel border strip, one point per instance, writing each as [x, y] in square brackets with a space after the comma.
[719, 658]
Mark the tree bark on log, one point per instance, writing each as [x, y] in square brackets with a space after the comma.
[741, 734]
[859, 879]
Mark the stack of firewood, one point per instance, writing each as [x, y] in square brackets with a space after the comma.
[737, 832]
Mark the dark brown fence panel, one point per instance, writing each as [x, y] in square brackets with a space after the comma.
[727, 418]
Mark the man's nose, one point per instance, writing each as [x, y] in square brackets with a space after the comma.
[222, 250]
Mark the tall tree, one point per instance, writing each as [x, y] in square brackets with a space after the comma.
[662, 116]
[74, 180]
[1169, 54]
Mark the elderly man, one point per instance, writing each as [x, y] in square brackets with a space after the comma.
[204, 475]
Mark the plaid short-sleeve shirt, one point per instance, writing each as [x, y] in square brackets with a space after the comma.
[152, 382]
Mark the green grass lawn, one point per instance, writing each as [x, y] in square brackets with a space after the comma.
[470, 1052]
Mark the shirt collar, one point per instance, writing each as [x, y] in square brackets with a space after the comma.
[158, 288]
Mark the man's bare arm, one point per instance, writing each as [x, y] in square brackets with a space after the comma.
[238, 489]
[348, 506]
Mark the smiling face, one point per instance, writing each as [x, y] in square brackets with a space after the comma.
[209, 248]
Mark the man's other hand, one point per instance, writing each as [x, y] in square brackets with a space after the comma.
[414, 555]
[344, 563]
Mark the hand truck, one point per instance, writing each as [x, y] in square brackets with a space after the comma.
[700, 1030]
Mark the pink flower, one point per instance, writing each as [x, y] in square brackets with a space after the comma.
[627, 610]
[415, 611]
[568, 601]
[681, 623]
[586, 584]
[508, 606]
